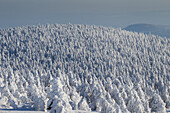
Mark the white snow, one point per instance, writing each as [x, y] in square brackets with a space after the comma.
[15, 111]
[82, 68]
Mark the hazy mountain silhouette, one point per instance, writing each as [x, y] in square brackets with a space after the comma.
[161, 30]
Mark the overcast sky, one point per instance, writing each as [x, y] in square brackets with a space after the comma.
[114, 13]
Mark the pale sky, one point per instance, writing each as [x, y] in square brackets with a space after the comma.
[114, 13]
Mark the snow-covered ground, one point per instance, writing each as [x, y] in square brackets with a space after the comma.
[60, 68]
[17, 111]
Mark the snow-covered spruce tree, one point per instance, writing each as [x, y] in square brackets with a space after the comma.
[81, 67]
[156, 104]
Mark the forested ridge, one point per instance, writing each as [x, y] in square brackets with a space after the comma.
[81, 67]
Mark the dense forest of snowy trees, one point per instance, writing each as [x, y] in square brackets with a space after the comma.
[81, 67]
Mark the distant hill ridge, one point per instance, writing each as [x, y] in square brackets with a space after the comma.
[161, 30]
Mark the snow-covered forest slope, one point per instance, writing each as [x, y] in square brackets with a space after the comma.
[161, 30]
[81, 67]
